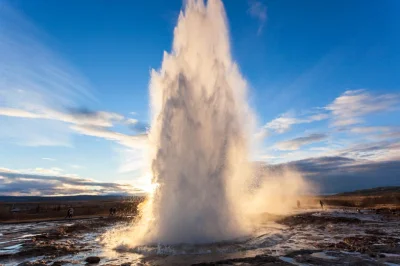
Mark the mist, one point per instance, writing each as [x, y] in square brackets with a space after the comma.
[201, 139]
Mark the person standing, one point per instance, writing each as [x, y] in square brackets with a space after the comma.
[70, 213]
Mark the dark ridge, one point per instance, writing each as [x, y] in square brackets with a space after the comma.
[379, 191]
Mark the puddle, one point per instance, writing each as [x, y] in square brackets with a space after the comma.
[13, 248]
[323, 255]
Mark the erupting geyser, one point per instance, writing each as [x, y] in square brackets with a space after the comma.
[198, 137]
[199, 143]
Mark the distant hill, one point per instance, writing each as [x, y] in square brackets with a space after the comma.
[21, 199]
[379, 191]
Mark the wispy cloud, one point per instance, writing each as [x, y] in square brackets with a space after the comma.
[350, 107]
[140, 127]
[135, 141]
[373, 151]
[347, 110]
[44, 182]
[370, 129]
[34, 79]
[89, 123]
[284, 123]
[297, 143]
[48, 159]
[102, 119]
[258, 10]
[47, 171]
[131, 121]
[349, 116]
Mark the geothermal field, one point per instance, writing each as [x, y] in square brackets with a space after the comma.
[310, 236]
[208, 202]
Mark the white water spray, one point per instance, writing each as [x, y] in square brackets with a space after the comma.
[198, 134]
[199, 140]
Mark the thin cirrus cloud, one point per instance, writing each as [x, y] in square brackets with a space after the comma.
[35, 83]
[352, 132]
[102, 119]
[43, 90]
[45, 73]
[297, 143]
[370, 129]
[40, 95]
[48, 159]
[284, 123]
[385, 150]
[134, 141]
[85, 122]
[350, 107]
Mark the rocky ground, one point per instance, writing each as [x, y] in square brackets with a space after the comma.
[333, 237]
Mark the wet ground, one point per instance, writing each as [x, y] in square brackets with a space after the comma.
[330, 237]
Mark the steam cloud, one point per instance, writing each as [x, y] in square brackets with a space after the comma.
[200, 141]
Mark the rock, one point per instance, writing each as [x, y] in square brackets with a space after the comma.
[32, 263]
[60, 263]
[301, 252]
[92, 259]
[126, 264]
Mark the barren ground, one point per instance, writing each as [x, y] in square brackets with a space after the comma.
[354, 230]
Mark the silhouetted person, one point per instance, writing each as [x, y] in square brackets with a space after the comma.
[38, 209]
[70, 213]
[298, 204]
[113, 211]
[322, 204]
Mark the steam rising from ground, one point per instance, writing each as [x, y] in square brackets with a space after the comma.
[200, 141]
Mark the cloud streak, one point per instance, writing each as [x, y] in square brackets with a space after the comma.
[134, 141]
[101, 119]
[346, 110]
[48, 159]
[350, 107]
[284, 123]
[35, 82]
[374, 151]
[47, 183]
[89, 123]
[297, 143]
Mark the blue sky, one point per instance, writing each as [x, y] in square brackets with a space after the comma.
[323, 80]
